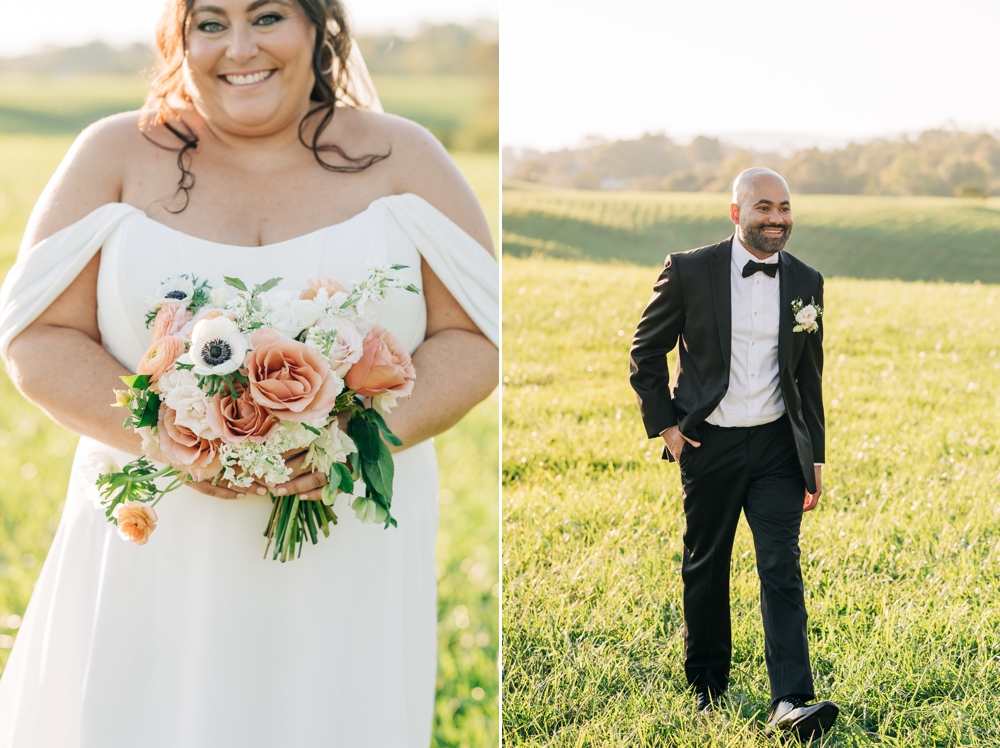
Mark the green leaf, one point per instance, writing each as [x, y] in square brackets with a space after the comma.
[380, 472]
[412, 289]
[265, 286]
[373, 415]
[151, 415]
[137, 381]
[235, 283]
[340, 477]
[307, 427]
[399, 267]
[365, 435]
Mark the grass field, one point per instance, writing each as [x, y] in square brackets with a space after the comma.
[35, 456]
[451, 106]
[901, 560]
[859, 236]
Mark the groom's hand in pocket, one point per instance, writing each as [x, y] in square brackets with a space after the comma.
[675, 441]
[812, 499]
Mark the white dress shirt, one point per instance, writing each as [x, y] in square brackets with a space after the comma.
[754, 394]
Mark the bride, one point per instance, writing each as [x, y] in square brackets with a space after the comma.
[261, 152]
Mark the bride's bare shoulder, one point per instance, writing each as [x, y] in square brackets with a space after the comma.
[90, 175]
[418, 163]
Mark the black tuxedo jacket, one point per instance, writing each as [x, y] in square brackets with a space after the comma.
[692, 304]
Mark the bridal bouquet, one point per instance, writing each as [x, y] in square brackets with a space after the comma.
[236, 380]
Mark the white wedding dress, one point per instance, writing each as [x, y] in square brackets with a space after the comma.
[194, 640]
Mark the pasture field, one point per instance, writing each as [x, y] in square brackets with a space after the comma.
[901, 560]
[35, 457]
[859, 236]
[451, 106]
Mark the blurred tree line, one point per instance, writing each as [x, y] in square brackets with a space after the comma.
[445, 77]
[936, 162]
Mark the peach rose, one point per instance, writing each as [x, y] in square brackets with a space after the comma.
[237, 421]
[290, 378]
[384, 366]
[136, 521]
[186, 450]
[161, 356]
[331, 287]
[170, 320]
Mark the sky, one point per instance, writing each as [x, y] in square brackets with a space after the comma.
[808, 70]
[30, 24]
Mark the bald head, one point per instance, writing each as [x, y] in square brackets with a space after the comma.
[761, 210]
[748, 179]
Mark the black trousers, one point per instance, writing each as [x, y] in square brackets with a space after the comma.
[754, 470]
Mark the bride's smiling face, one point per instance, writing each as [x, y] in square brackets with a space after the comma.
[248, 67]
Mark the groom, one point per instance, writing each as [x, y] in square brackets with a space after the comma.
[744, 422]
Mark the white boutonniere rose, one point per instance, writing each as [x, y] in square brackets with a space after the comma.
[806, 316]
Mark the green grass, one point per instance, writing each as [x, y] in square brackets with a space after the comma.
[35, 458]
[857, 236]
[451, 106]
[901, 560]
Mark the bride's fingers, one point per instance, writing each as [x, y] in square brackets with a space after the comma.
[306, 486]
[218, 491]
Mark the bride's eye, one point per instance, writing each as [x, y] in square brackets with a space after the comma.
[268, 19]
[210, 27]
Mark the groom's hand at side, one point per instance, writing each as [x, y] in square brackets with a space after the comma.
[675, 440]
[812, 499]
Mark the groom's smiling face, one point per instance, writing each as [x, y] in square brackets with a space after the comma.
[764, 215]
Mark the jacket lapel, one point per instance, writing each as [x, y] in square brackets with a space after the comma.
[722, 295]
[788, 284]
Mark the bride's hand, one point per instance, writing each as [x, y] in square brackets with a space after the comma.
[305, 483]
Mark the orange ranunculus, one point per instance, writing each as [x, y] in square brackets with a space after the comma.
[290, 378]
[243, 419]
[170, 320]
[161, 356]
[186, 450]
[385, 366]
[136, 521]
[331, 287]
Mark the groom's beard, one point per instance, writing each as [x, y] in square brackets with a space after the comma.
[755, 238]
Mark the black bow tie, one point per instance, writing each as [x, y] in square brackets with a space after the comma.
[752, 267]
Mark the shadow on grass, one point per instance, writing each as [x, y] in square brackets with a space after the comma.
[909, 254]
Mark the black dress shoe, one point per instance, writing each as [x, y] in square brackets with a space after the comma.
[705, 700]
[804, 721]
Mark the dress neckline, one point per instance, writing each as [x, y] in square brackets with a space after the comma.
[311, 234]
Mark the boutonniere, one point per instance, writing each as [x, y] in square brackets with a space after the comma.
[806, 316]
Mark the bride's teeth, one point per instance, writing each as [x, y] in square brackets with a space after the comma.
[244, 80]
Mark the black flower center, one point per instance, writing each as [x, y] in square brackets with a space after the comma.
[176, 295]
[216, 352]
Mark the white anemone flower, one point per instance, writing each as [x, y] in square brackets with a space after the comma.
[217, 347]
[177, 290]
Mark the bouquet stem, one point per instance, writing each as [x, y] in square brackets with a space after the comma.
[292, 521]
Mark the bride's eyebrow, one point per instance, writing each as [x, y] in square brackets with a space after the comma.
[249, 9]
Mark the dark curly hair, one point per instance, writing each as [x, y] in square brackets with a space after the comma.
[332, 85]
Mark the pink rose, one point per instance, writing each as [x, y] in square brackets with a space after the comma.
[237, 421]
[161, 356]
[186, 450]
[170, 320]
[136, 521]
[331, 287]
[384, 366]
[290, 378]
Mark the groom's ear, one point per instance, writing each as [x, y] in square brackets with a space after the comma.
[734, 213]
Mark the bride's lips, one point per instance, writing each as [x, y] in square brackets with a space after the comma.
[249, 79]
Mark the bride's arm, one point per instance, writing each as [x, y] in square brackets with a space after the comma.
[58, 362]
[456, 365]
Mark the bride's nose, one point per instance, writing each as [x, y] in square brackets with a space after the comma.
[242, 47]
